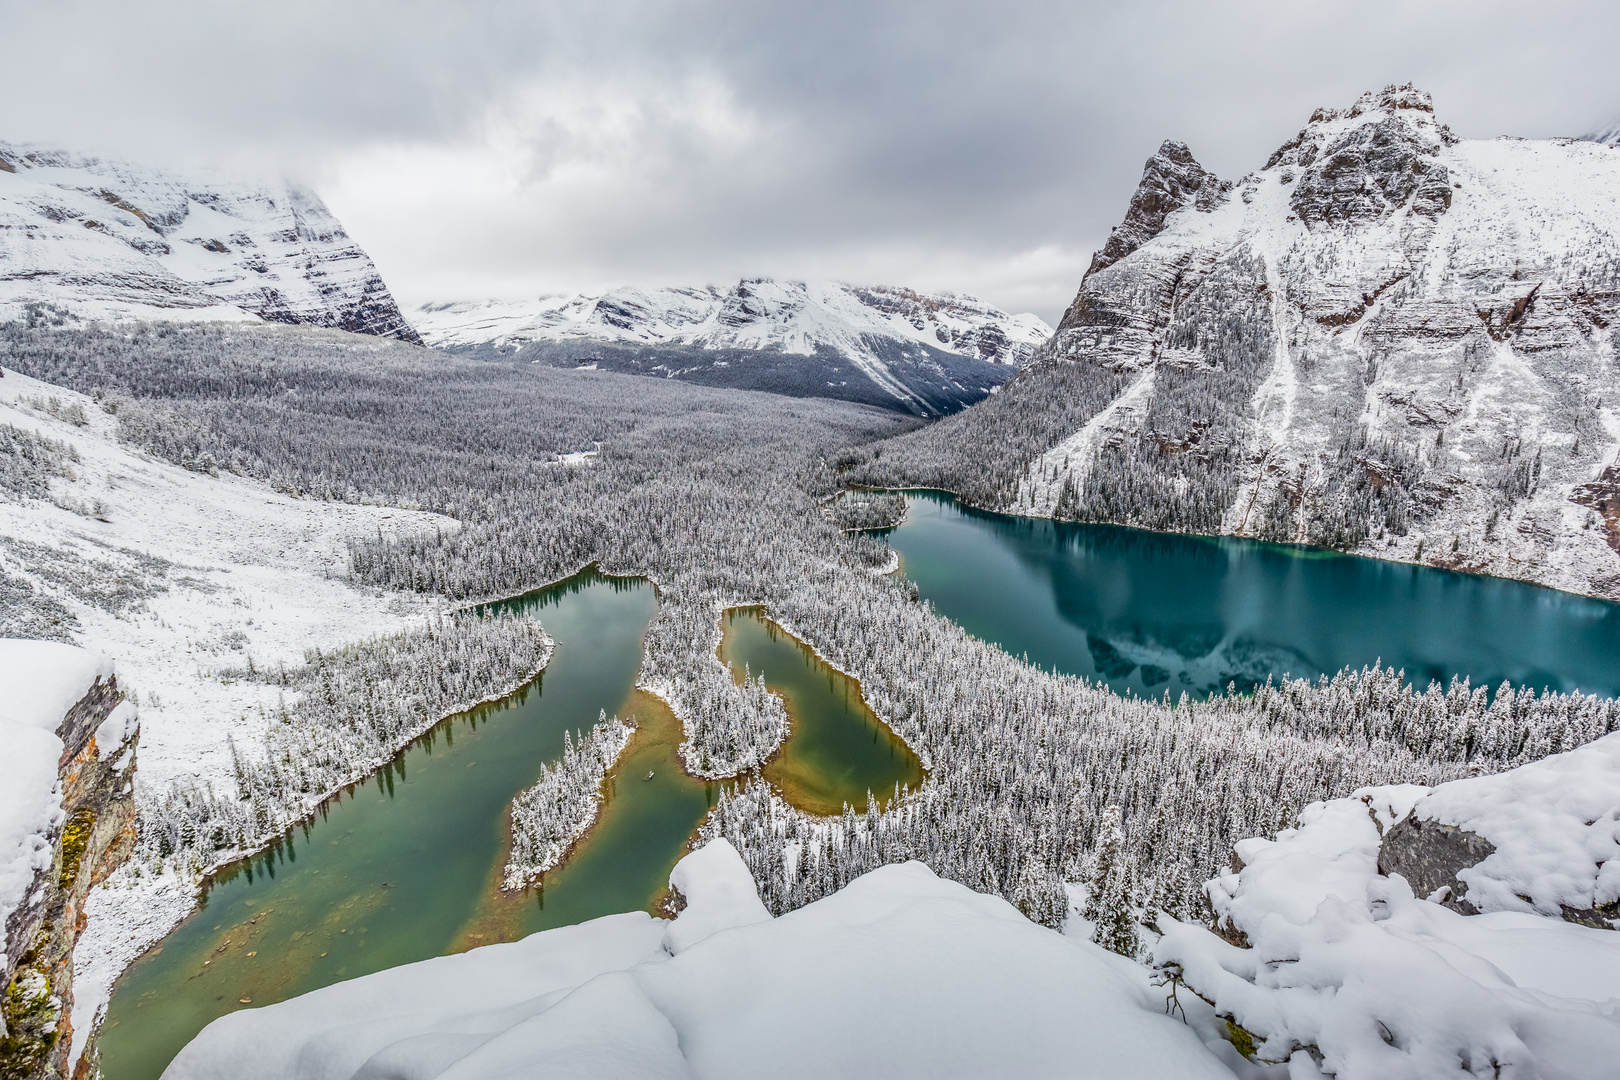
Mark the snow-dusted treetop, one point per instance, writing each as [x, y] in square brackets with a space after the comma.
[796, 317]
[115, 240]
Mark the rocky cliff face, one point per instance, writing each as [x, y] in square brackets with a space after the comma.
[926, 353]
[1387, 340]
[91, 238]
[1171, 180]
[96, 833]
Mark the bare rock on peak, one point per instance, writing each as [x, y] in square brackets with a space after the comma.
[1171, 179]
[1364, 164]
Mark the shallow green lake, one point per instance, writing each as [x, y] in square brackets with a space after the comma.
[405, 866]
[838, 750]
[1148, 612]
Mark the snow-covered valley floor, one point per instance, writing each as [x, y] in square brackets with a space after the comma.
[180, 576]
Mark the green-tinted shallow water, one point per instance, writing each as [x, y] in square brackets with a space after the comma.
[839, 750]
[1149, 612]
[407, 865]
[403, 867]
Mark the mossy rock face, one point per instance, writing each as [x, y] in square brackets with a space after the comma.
[75, 842]
[1241, 1038]
[31, 1015]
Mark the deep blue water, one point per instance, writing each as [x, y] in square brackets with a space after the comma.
[1148, 612]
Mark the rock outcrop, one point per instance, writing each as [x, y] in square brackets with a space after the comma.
[1430, 855]
[94, 832]
[1543, 839]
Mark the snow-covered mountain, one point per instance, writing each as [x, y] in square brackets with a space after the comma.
[1608, 136]
[925, 352]
[1388, 340]
[112, 240]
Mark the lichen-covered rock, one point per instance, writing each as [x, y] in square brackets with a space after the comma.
[98, 735]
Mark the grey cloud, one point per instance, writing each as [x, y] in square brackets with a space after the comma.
[911, 140]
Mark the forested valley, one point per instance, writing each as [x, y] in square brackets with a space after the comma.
[718, 497]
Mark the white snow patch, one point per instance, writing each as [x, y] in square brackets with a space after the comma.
[41, 680]
[720, 894]
[900, 974]
[1348, 970]
[30, 811]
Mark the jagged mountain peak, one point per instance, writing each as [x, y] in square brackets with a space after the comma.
[1171, 179]
[91, 237]
[1362, 164]
[1387, 339]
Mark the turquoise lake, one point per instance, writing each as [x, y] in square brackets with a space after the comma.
[1154, 612]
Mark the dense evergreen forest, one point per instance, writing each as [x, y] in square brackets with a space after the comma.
[719, 498]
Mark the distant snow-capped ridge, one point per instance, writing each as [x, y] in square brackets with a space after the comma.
[1608, 136]
[759, 313]
[925, 352]
[103, 239]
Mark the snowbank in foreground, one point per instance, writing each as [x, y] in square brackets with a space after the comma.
[1348, 973]
[899, 974]
[1555, 827]
[39, 682]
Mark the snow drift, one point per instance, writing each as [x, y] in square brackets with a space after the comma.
[899, 974]
[1338, 968]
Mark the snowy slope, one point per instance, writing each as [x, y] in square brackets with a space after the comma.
[900, 974]
[1331, 960]
[920, 351]
[1388, 339]
[114, 240]
[178, 576]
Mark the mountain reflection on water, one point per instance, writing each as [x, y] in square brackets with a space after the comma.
[1151, 612]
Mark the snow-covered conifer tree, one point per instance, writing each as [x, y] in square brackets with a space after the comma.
[1109, 904]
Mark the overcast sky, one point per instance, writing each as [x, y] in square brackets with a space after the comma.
[510, 149]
